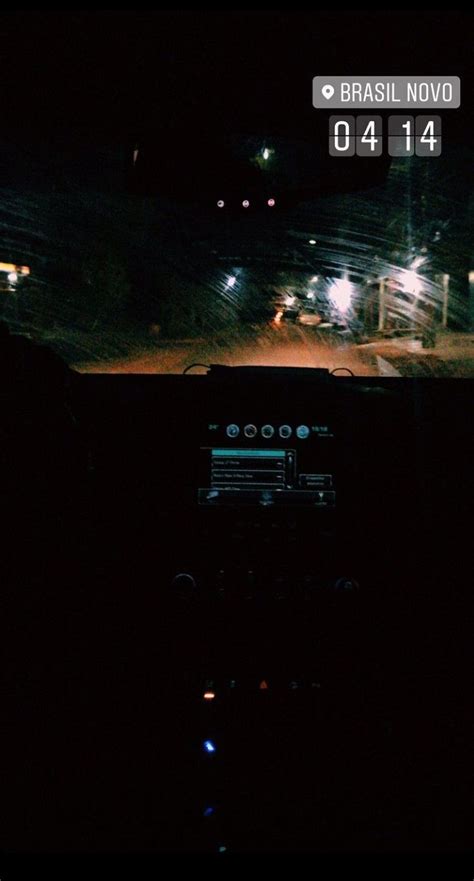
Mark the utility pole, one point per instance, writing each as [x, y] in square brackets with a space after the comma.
[444, 314]
[382, 303]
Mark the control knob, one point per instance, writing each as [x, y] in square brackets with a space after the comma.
[183, 585]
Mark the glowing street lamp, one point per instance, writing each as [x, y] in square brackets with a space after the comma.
[340, 293]
[12, 268]
[411, 282]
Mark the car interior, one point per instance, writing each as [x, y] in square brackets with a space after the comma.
[236, 565]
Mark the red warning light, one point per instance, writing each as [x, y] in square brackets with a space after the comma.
[263, 685]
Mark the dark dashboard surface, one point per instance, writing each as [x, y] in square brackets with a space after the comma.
[334, 636]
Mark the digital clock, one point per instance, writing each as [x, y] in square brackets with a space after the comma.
[363, 135]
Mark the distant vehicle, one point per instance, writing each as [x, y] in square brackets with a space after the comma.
[296, 311]
[291, 313]
[11, 276]
[310, 319]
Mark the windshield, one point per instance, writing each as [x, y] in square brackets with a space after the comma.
[183, 189]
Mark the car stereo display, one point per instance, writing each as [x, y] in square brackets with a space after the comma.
[267, 464]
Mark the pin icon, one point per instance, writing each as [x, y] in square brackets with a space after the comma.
[328, 91]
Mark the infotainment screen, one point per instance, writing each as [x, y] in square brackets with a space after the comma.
[267, 463]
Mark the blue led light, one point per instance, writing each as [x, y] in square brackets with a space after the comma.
[209, 746]
[302, 431]
[208, 812]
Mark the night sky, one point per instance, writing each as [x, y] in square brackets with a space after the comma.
[129, 74]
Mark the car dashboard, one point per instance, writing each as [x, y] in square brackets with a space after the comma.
[238, 617]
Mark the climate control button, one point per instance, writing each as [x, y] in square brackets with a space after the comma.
[183, 585]
[302, 432]
[346, 584]
[250, 430]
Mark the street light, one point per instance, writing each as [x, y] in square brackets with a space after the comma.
[418, 261]
[411, 282]
[340, 293]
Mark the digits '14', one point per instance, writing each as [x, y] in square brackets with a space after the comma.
[363, 135]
